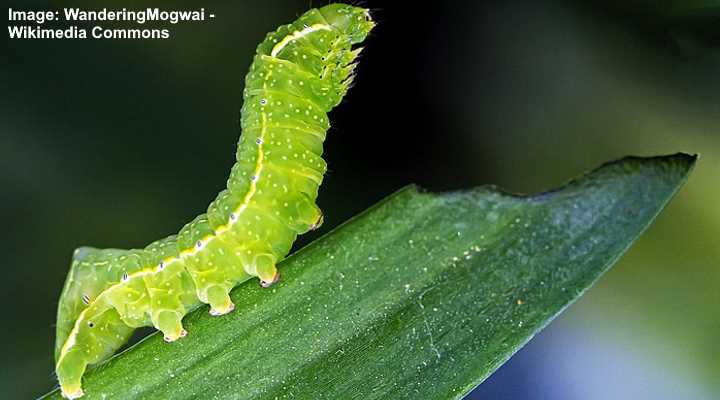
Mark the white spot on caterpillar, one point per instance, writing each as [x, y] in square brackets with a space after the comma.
[85, 299]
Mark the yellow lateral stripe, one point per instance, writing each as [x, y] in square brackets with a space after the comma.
[297, 35]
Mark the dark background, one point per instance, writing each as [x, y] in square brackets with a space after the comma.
[117, 143]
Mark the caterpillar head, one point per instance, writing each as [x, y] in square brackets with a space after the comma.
[355, 22]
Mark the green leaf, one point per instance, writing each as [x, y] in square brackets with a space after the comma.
[421, 296]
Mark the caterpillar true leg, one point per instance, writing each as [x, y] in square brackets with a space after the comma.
[318, 222]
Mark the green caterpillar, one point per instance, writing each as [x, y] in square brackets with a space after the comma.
[300, 72]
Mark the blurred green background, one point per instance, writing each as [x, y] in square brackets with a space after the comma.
[118, 143]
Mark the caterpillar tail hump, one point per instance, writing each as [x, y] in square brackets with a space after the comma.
[299, 73]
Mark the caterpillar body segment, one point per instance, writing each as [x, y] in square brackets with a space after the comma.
[299, 73]
[91, 272]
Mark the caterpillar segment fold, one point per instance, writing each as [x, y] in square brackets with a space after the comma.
[299, 73]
